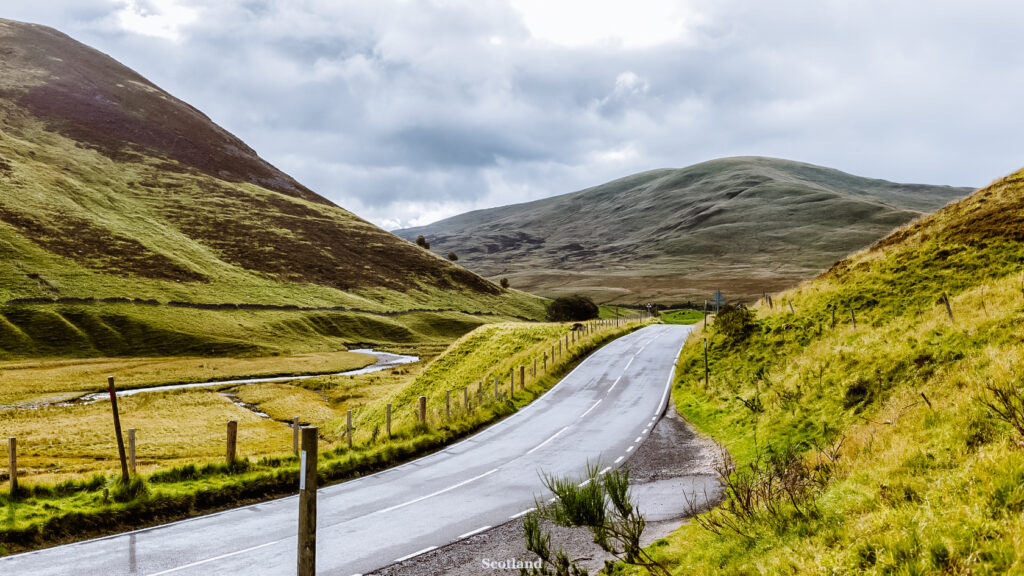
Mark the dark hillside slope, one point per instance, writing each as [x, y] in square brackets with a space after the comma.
[110, 188]
[745, 225]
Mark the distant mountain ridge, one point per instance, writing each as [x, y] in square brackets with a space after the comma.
[744, 224]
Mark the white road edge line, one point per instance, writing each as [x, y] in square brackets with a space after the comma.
[541, 445]
[415, 554]
[521, 514]
[668, 385]
[591, 408]
[474, 532]
[638, 439]
[215, 558]
[422, 498]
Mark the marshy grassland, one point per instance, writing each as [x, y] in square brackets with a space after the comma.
[893, 446]
[69, 488]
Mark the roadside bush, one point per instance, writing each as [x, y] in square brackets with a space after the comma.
[735, 323]
[504, 283]
[453, 256]
[572, 309]
[422, 242]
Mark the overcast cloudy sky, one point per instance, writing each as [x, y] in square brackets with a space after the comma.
[408, 112]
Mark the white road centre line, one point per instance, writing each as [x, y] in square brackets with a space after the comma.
[638, 439]
[474, 532]
[422, 498]
[584, 483]
[614, 384]
[605, 471]
[415, 554]
[619, 459]
[521, 514]
[541, 445]
[630, 449]
[591, 408]
[215, 558]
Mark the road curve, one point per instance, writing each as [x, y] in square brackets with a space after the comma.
[601, 411]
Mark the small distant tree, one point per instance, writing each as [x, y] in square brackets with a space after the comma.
[422, 242]
[504, 283]
[453, 256]
[572, 309]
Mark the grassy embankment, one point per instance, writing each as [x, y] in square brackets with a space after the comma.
[42, 514]
[897, 464]
[96, 245]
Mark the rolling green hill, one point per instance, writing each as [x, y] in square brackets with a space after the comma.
[745, 225]
[889, 445]
[112, 189]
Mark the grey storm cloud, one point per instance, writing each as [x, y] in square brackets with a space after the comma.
[405, 112]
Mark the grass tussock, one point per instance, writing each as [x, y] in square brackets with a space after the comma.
[889, 447]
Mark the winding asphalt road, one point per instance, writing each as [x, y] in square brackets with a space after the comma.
[601, 412]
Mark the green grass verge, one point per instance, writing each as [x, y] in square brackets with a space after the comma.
[682, 316]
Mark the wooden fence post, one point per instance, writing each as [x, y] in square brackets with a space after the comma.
[348, 428]
[232, 441]
[465, 398]
[522, 377]
[949, 309]
[791, 308]
[307, 503]
[423, 410]
[389, 420]
[117, 429]
[833, 318]
[853, 317]
[295, 435]
[12, 459]
[545, 362]
[534, 373]
[705, 363]
[496, 387]
[131, 450]
[447, 403]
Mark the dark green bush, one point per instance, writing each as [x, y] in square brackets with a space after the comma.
[572, 309]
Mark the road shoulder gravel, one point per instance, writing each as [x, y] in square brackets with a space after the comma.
[674, 460]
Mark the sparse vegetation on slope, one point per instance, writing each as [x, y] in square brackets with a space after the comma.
[888, 447]
[753, 224]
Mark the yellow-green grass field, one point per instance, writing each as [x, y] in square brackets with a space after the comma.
[46, 381]
[181, 433]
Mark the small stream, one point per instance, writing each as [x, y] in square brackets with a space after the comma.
[385, 361]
